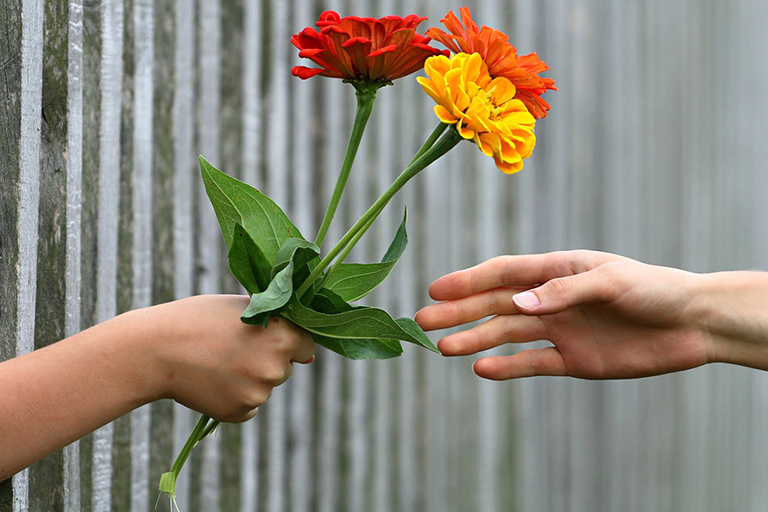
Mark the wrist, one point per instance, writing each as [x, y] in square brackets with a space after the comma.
[138, 349]
[734, 314]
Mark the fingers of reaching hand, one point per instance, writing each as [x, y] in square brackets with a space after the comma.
[528, 363]
[523, 271]
[468, 309]
[494, 273]
[493, 333]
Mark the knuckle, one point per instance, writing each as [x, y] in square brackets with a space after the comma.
[572, 262]
[613, 278]
[502, 267]
[256, 398]
[283, 343]
[233, 409]
[559, 286]
[274, 376]
[493, 302]
[453, 312]
[242, 415]
[232, 417]
[533, 364]
[250, 414]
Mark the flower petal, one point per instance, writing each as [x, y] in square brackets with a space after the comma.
[304, 72]
[500, 56]
[483, 109]
[366, 49]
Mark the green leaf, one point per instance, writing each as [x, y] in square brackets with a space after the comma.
[325, 301]
[298, 250]
[352, 281]
[412, 328]
[361, 349]
[261, 319]
[247, 262]
[273, 298]
[361, 323]
[329, 303]
[294, 254]
[235, 202]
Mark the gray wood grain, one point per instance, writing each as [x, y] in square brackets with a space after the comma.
[73, 272]
[10, 134]
[653, 149]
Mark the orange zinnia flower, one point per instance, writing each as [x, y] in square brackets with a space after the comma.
[500, 57]
[363, 49]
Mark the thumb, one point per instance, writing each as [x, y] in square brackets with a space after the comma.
[561, 293]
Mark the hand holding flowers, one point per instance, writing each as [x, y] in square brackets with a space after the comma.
[485, 93]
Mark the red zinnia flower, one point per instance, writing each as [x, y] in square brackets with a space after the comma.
[500, 57]
[363, 49]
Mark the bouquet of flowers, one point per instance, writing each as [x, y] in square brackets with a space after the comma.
[484, 93]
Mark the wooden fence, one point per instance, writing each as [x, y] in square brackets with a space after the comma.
[656, 147]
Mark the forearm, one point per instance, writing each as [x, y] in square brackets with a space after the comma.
[55, 395]
[734, 311]
[194, 350]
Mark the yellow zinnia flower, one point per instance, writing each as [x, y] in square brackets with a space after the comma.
[483, 109]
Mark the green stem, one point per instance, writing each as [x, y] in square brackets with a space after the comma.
[347, 249]
[441, 147]
[168, 480]
[194, 438]
[209, 428]
[436, 133]
[366, 96]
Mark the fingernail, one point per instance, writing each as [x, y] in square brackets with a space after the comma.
[526, 300]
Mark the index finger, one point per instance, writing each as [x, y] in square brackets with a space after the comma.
[304, 351]
[522, 271]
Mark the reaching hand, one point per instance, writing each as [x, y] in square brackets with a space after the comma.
[608, 317]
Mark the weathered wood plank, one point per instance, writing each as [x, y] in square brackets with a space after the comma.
[278, 139]
[163, 158]
[163, 255]
[10, 164]
[185, 177]
[142, 216]
[301, 438]
[383, 493]
[232, 55]
[41, 254]
[329, 367]
[122, 452]
[210, 243]
[73, 278]
[358, 441]
[490, 474]
[231, 134]
[11, 72]
[108, 219]
[251, 174]
[91, 80]
[673, 187]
